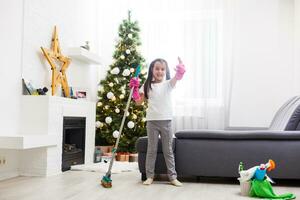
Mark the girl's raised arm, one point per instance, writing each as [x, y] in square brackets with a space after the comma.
[180, 70]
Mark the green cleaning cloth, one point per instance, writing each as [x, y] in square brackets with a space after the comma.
[263, 189]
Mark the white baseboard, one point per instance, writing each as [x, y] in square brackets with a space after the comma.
[9, 174]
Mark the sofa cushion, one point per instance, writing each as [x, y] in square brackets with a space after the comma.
[142, 143]
[238, 135]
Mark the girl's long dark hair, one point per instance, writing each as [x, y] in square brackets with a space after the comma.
[148, 82]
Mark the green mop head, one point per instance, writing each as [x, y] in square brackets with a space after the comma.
[106, 182]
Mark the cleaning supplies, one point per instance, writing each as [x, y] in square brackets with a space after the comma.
[255, 182]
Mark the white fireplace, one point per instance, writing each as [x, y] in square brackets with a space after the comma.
[42, 121]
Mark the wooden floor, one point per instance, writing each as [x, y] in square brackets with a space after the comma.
[81, 185]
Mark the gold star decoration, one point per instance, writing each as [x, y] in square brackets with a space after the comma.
[54, 56]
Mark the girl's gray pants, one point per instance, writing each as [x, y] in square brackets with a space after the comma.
[164, 129]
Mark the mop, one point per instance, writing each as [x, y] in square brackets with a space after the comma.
[106, 181]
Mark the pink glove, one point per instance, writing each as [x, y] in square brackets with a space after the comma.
[134, 83]
[136, 94]
[180, 70]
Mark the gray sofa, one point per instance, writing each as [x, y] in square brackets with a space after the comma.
[217, 153]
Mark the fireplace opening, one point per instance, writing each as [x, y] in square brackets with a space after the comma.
[73, 144]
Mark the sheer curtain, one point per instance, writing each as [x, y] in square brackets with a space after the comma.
[199, 98]
[200, 32]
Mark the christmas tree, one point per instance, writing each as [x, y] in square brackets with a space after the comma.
[114, 92]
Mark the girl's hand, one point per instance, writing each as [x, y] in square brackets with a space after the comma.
[180, 69]
[136, 95]
[134, 83]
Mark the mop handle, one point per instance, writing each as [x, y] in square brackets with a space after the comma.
[120, 132]
[122, 125]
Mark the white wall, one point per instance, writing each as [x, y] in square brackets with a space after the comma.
[263, 59]
[10, 71]
[297, 45]
[11, 18]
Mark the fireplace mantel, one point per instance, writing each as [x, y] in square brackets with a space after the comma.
[20, 142]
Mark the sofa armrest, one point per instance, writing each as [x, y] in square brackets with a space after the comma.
[238, 135]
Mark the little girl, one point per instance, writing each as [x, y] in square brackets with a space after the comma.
[157, 91]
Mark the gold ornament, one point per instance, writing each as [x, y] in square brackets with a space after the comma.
[53, 56]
